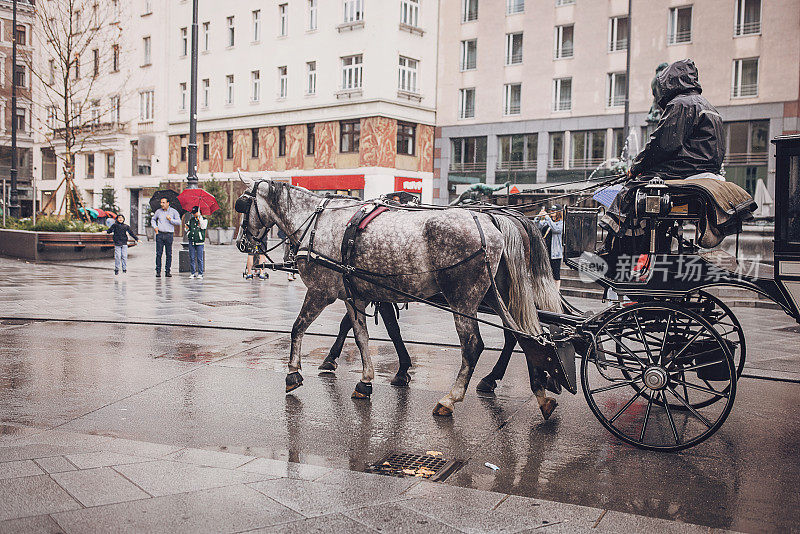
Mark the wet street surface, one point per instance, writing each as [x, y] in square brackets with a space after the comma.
[199, 366]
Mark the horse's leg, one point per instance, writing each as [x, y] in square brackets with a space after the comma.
[329, 364]
[313, 304]
[471, 348]
[489, 382]
[402, 378]
[356, 312]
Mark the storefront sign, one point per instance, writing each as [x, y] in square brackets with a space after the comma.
[412, 185]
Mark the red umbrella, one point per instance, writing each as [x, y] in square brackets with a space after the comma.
[101, 213]
[189, 198]
[110, 214]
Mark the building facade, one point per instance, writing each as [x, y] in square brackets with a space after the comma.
[533, 91]
[334, 96]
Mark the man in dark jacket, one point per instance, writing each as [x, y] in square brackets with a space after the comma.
[121, 232]
[689, 138]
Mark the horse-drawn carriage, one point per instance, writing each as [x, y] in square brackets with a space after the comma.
[658, 368]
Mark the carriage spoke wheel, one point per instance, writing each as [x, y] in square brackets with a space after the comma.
[659, 376]
[724, 322]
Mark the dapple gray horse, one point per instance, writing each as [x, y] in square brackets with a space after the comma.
[453, 252]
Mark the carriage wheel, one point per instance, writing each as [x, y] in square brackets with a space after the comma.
[669, 355]
[725, 323]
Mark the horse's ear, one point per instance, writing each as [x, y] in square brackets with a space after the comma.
[246, 181]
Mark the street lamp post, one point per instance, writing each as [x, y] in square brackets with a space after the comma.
[14, 207]
[192, 177]
[628, 82]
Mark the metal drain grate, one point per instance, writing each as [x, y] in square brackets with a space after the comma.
[427, 466]
[218, 303]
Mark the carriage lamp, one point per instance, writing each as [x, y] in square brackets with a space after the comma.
[652, 202]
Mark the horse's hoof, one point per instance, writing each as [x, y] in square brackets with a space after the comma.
[328, 365]
[293, 381]
[401, 379]
[548, 407]
[442, 411]
[362, 391]
[486, 385]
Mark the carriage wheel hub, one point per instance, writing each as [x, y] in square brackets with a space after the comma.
[655, 377]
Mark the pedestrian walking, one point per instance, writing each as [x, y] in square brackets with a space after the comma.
[165, 219]
[121, 232]
[552, 229]
[196, 234]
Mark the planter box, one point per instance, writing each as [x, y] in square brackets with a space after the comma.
[220, 236]
[150, 232]
[57, 246]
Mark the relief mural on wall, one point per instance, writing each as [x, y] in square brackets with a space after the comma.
[267, 148]
[326, 145]
[378, 145]
[295, 146]
[425, 148]
[174, 153]
[217, 143]
[240, 150]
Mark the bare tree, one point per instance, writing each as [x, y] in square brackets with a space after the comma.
[80, 83]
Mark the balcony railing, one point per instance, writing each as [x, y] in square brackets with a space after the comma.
[746, 159]
[96, 128]
[469, 64]
[745, 89]
[562, 105]
[555, 164]
[564, 51]
[516, 165]
[586, 163]
[748, 28]
[468, 167]
[511, 109]
[515, 6]
[467, 113]
[684, 36]
[619, 44]
[616, 100]
[514, 59]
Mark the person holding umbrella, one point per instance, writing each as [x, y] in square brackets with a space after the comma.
[165, 219]
[196, 234]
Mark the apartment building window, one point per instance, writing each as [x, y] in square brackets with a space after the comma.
[311, 78]
[20, 76]
[409, 12]
[255, 85]
[512, 95]
[310, 139]
[21, 35]
[206, 36]
[616, 86]
[229, 89]
[146, 51]
[148, 7]
[588, 148]
[312, 15]
[407, 75]
[556, 151]
[617, 34]
[745, 77]
[351, 72]
[283, 20]
[231, 31]
[182, 92]
[184, 144]
[115, 58]
[49, 164]
[77, 68]
[679, 29]
[184, 42]
[283, 82]
[562, 94]
[89, 166]
[206, 92]
[146, 103]
[111, 164]
[254, 143]
[95, 112]
[256, 25]
[469, 54]
[281, 141]
[115, 109]
[353, 10]
[748, 17]
[564, 2]
[52, 113]
[513, 48]
[349, 136]
[469, 10]
[514, 6]
[95, 62]
[468, 154]
[746, 154]
[466, 103]
[206, 146]
[517, 151]
[406, 138]
[21, 119]
[229, 144]
[563, 41]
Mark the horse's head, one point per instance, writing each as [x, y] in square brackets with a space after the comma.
[257, 218]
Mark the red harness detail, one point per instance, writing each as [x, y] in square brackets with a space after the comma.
[369, 218]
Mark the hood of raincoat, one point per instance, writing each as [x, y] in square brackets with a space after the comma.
[680, 77]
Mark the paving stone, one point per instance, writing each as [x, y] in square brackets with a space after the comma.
[140, 448]
[55, 464]
[103, 459]
[210, 458]
[279, 468]
[230, 509]
[622, 522]
[35, 450]
[94, 487]
[40, 524]
[468, 496]
[337, 523]
[571, 516]
[163, 477]
[27, 496]
[19, 468]
[396, 518]
[367, 481]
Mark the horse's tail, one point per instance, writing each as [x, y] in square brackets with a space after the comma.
[531, 282]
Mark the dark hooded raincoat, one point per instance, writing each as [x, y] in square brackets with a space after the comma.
[689, 138]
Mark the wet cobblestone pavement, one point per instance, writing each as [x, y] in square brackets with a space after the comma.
[135, 403]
